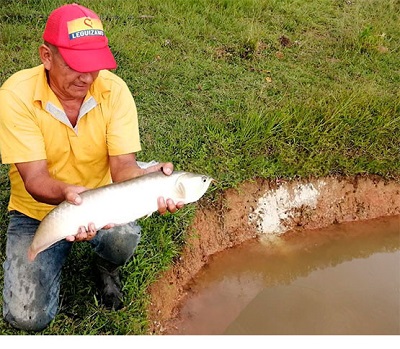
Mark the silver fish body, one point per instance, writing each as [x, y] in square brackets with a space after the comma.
[117, 203]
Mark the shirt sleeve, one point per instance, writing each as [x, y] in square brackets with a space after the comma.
[20, 137]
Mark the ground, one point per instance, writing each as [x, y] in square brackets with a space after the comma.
[259, 208]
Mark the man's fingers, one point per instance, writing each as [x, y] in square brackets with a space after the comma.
[162, 207]
[180, 204]
[171, 206]
[83, 234]
[91, 232]
[73, 198]
[168, 205]
[167, 168]
[109, 226]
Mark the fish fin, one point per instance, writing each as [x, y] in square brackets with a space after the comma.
[180, 191]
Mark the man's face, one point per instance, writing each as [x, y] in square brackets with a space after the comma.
[68, 83]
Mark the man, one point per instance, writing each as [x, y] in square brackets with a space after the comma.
[66, 126]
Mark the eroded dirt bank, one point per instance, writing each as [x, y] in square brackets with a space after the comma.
[260, 208]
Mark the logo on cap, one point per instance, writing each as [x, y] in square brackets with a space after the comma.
[83, 27]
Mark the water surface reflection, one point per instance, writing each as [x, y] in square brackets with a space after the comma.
[344, 279]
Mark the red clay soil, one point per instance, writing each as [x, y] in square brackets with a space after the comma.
[225, 224]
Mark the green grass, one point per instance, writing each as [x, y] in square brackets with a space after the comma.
[235, 89]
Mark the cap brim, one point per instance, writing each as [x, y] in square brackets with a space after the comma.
[85, 61]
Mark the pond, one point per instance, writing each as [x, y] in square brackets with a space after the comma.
[344, 279]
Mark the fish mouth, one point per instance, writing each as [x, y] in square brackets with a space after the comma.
[213, 181]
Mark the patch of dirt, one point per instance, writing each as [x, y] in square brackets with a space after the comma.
[227, 224]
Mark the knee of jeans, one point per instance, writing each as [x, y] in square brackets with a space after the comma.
[34, 323]
[118, 244]
[123, 247]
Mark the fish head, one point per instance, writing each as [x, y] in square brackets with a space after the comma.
[190, 187]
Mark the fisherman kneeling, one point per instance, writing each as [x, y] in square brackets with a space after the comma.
[65, 126]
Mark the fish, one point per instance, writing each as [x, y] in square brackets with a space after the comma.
[117, 203]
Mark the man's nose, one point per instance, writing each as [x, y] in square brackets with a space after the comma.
[87, 78]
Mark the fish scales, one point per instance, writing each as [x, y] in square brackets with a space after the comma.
[117, 203]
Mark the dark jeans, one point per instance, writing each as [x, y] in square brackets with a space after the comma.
[31, 289]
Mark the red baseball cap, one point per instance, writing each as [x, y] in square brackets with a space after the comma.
[78, 34]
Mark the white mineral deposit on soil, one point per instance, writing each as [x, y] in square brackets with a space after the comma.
[278, 206]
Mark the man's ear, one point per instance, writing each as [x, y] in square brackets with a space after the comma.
[46, 56]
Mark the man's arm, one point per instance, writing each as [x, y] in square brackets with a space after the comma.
[43, 187]
[124, 167]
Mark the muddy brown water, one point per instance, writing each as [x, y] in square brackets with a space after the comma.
[344, 279]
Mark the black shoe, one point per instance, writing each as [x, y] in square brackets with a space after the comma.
[109, 284]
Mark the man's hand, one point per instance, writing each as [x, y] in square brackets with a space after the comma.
[168, 205]
[83, 234]
[165, 204]
[86, 234]
[71, 194]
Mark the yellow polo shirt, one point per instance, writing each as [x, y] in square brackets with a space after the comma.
[33, 126]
